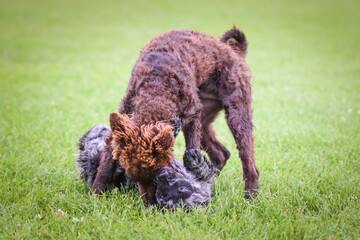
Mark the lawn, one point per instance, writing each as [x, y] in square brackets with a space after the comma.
[64, 66]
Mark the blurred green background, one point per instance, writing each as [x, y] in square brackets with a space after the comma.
[64, 66]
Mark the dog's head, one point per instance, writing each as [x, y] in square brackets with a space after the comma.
[187, 185]
[176, 183]
[142, 150]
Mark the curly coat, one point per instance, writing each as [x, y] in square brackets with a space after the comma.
[189, 184]
[194, 76]
[141, 150]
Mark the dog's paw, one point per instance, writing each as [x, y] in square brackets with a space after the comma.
[252, 184]
[250, 195]
[97, 190]
[193, 158]
[197, 163]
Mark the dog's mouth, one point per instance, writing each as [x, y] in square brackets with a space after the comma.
[172, 186]
[147, 190]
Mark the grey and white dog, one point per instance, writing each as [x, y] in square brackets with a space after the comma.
[176, 184]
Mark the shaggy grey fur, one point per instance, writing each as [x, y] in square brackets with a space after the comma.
[91, 146]
[189, 184]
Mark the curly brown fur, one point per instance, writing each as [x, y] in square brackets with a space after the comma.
[141, 150]
[237, 40]
[189, 184]
[191, 75]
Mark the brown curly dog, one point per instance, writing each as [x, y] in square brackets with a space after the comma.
[189, 75]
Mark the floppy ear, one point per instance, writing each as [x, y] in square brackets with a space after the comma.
[121, 124]
[123, 129]
[164, 140]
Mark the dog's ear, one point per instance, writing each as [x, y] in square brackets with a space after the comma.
[122, 128]
[164, 140]
[121, 124]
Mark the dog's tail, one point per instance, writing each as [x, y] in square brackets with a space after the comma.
[237, 40]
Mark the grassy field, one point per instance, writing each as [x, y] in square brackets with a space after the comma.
[64, 66]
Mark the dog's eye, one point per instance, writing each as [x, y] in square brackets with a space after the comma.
[183, 189]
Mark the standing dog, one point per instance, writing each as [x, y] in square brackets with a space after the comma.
[193, 76]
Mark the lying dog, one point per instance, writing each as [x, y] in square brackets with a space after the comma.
[189, 184]
[191, 75]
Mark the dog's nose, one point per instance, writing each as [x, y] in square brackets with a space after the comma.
[161, 177]
[161, 174]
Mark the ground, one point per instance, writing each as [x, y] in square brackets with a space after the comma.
[64, 66]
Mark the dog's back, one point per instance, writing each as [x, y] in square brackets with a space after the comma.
[192, 55]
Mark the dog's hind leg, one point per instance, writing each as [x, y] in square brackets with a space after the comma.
[216, 151]
[235, 95]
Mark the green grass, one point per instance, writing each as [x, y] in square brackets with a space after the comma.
[64, 66]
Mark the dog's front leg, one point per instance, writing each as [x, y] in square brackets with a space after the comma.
[192, 132]
[107, 166]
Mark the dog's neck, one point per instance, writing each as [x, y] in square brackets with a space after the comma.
[155, 94]
[151, 109]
